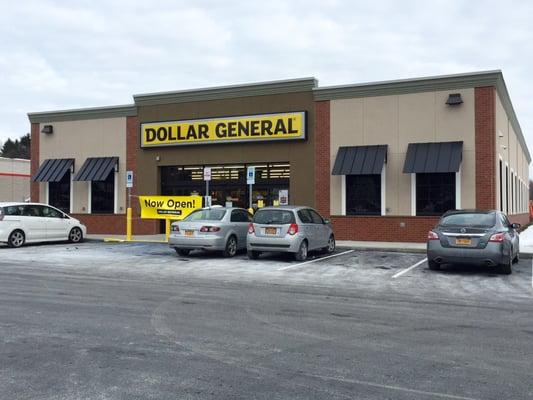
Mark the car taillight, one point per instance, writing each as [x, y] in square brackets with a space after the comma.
[497, 237]
[209, 229]
[175, 228]
[432, 236]
[293, 229]
[251, 228]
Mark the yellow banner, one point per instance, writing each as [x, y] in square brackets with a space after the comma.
[168, 207]
[223, 130]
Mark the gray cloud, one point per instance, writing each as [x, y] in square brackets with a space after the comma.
[58, 55]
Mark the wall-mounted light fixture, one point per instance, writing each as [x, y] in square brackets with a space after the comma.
[454, 99]
[48, 129]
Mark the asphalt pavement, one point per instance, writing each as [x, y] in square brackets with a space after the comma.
[97, 321]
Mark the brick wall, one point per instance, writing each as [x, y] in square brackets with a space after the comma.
[113, 224]
[383, 229]
[34, 151]
[485, 140]
[322, 157]
[139, 227]
[522, 219]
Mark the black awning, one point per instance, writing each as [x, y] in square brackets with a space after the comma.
[433, 157]
[96, 169]
[360, 160]
[53, 170]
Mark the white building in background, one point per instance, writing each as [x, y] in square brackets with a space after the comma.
[14, 179]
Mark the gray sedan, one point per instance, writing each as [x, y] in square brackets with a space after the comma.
[474, 237]
[217, 228]
[289, 229]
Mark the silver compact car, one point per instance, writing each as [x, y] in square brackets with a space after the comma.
[291, 229]
[474, 237]
[216, 228]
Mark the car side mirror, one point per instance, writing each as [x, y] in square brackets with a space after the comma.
[327, 221]
[515, 226]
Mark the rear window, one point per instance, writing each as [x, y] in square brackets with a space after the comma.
[213, 214]
[11, 210]
[469, 219]
[274, 217]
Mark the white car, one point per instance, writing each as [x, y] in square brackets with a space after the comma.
[33, 222]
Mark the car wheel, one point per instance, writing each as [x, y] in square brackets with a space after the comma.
[182, 252]
[507, 267]
[75, 235]
[254, 255]
[16, 239]
[433, 265]
[331, 245]
[516, 258]
[301, 255]
[231, 247]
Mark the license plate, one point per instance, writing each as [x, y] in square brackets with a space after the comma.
[189, 233]
[463, 242]
[270, 231]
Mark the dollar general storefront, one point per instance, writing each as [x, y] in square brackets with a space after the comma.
[383, 160]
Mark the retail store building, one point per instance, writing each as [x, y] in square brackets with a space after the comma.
[382, 160]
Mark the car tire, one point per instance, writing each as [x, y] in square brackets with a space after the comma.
[516, 258]
[301, 255]
[433, 265]
[330, 248]
[16, 239]
[182, 252]
[75, 235]
[253, 254]
[231, 247]
[506, 268]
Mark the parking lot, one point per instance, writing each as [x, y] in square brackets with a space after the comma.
[113, 321]
[401, 272]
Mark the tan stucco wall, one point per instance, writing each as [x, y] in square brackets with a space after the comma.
[13, 186]
[510, 151]
[80, 140]
[398, 120]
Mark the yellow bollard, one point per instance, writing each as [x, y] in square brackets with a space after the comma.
[167, 228]
[128, 224]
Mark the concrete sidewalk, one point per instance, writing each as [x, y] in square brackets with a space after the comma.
[357, 245]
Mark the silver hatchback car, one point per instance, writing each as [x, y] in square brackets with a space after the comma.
[216, 228]
[291, 229]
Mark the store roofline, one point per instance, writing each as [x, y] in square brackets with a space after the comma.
[227, 92]
[77, 114]
[369, 89]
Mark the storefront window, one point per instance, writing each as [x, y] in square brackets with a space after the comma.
[435, 193]
[103, 195]
[59, 193]
[363, 194]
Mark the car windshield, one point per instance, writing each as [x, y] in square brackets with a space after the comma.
[212, 214]
[268, 217]
[469, 219]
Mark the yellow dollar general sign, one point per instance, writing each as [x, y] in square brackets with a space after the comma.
[168, 207]
[252, 128]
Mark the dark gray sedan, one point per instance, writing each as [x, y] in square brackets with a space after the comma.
[474, 237]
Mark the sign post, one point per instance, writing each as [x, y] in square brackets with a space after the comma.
[207, 178]
[250, 180]
[129, 185]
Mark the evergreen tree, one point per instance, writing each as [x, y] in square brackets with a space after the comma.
[18, 148]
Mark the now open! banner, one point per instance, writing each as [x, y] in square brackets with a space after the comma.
[168, 207]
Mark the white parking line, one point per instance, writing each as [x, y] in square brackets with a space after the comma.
[312, 261]
[409, 269]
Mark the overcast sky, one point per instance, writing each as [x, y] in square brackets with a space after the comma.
[70, 54]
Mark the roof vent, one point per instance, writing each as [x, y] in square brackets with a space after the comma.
[454, 99]
[48, 129]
